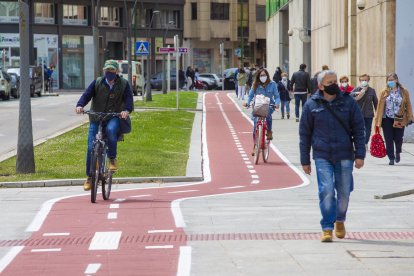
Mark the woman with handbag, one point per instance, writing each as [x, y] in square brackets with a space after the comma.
[394, 112]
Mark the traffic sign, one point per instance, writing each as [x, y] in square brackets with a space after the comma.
[182, 50]
[142, 48]
[166, 49]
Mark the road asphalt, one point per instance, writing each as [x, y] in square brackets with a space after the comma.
[277, 232]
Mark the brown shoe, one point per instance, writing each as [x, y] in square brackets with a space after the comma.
[326, 236]
[113, 166]
[340, 231]
[88, 184]
[269, 135]
[254, 148]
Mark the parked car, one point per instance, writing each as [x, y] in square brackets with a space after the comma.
[208, 83]
[156, 80]
[229, 78]
[4, 85]
[14, 85]
[137, 77]
[218, 80]
[36, 78]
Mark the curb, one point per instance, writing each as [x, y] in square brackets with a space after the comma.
[393, 195]
[79, 182]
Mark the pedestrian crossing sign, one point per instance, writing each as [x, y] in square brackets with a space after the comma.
[142, 48]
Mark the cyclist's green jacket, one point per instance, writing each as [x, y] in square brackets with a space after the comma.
[106, 100]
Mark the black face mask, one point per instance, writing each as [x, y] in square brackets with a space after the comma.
[332, 89]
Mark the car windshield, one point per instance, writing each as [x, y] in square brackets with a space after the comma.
[124, 68]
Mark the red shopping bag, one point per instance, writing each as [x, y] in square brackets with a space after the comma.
[377, 147]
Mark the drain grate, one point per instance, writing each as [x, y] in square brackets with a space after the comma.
[182, 238]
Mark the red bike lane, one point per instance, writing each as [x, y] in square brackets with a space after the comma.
[142, 231]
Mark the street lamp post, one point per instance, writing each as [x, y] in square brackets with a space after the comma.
[164, 71]
[95, 33]
[148, 96]
[129, 44]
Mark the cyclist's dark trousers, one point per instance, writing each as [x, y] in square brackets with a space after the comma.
[299, 98]
[112, 129]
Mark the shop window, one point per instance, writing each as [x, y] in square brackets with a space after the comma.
[202, 59]
[193, 11]
[220, 11]
[165, 17]
[73, 62]
[44, 13]
[109, 16]
[75, 15]
[9, 12]
[260, 13]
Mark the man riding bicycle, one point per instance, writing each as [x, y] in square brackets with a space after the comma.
[109, 93]
[263, 85]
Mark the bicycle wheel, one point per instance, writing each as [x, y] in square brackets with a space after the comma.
[107, 180]
[266, 150]
[258, 145]
[95, 171]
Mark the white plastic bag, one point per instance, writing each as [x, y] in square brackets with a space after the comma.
[261, 106]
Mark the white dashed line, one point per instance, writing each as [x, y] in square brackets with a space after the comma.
[46, 250]
[242, 152]
[187, 191]
[92, 268]
[160, 247]
[233, 187]
[119, 200]
[250, 166]
[55, 234]
[247, 162]
[105, 241]
[140, 196]
[255, 181]
[112, 215]
[244, 155]
[245, 158]
[114, 206]
[160, 231]
[255, 176]
[252, 171]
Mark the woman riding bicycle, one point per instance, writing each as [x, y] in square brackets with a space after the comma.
[110, 93]
[263, 85]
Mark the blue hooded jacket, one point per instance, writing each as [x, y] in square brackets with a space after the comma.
[329, 140]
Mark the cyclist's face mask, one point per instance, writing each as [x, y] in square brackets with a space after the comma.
[110, 76]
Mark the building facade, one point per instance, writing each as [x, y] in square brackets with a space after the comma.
[61, 34]
[239, 24]
[352, 37]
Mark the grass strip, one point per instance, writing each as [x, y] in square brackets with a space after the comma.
[169, 100]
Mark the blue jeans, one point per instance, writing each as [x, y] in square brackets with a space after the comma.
[111, 129]
[299, 98]
[335, 184]
[368, 126]
[284, 104]
[268, 121]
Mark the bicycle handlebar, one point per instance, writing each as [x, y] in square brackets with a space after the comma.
[102, 115]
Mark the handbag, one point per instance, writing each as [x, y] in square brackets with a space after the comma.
[125, 125]
[398, 121]
[377, 147]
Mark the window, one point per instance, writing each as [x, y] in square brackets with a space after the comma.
[9, 12]
[260, 13]
[109, 16]
[44, 13]
[220, 11]
[162, 19]
[193, 11]
[75, 15]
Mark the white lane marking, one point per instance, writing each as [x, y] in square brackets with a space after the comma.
[114, 206]
[8, 258]
[141, 196]
[250, 167]
[242, 151]
[186, 191]
[245, 158]
[255, 176]
[160, 231]
[237, 141]
[55, 234]
[244, 155]
[92, 268]
[119, 200]
[159, 247]
[46, 250]
[105, 240]
[233, 187]
[255, 181]
[247, 162]
[184, 261]
[112, 215]
[252, 171]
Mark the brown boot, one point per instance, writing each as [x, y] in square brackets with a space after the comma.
[269, 135]
[326, 236]
[113, 166]
[87, 184]
[340, 231]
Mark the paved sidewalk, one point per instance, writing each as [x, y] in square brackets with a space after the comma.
[263, 233]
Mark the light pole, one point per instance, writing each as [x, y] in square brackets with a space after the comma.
[164, 78]
[95, 32]
[148, 96]
[129, 44]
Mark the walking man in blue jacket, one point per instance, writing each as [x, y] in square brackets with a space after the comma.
[333, 126]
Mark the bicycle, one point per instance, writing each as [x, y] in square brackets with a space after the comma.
[261, 142]
[99, 170]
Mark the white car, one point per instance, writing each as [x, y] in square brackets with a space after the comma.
[5, 87]
[216, 77]
[137, 78]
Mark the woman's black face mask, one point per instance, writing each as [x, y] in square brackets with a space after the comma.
[331, 89]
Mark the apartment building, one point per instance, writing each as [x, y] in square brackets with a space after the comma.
[239, 24]
[61, 34]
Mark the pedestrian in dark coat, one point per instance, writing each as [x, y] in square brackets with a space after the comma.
[283, 88]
